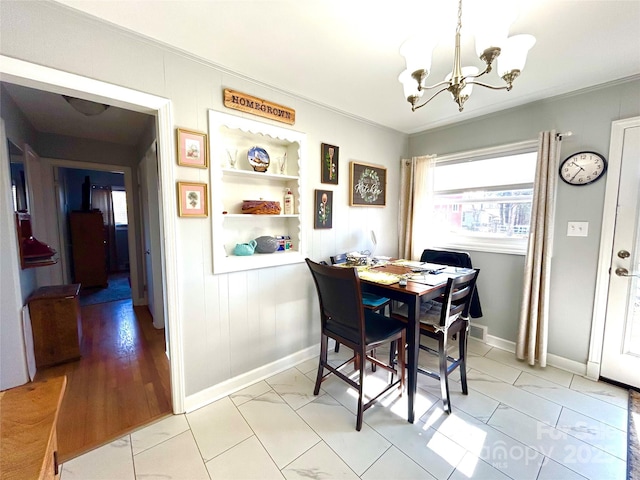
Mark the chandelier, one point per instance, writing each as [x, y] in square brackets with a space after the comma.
[490, 45]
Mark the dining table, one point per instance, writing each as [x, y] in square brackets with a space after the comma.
[423, 282]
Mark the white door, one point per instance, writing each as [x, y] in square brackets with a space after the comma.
[621, 347]
[44, 222]
[151, 235]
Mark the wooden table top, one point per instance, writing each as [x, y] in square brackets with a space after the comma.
[28, 415]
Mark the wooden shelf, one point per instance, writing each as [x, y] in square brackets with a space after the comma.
[23, 226]
[37, 263]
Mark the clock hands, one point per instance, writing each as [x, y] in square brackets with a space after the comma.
[579, 169]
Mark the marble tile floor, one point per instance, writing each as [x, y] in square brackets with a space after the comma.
[517, 422]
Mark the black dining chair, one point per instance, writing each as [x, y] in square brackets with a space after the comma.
[454, 259]
[369, 300]
[445, 316]
[344, 319]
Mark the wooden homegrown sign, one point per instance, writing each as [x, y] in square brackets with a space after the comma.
[257, 106]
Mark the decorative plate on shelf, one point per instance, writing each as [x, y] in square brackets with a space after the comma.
[258, 159]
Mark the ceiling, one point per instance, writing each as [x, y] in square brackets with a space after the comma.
[50, 113]
[344, 53]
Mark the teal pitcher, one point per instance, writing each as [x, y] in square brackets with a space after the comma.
[245, 249]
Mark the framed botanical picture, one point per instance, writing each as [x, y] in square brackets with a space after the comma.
[368, 185]
[192, 199]
[192, 148]
[329, 163]
[323, 217]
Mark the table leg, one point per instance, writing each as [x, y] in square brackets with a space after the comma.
[413, 342]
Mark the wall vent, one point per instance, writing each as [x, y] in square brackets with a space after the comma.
[478, 331]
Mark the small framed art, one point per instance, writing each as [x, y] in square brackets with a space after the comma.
[329, 163]
[192, 148]
[323, 205]
[368, 185]
[192, 199]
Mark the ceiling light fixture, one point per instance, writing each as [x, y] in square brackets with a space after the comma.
[490, 44]
[86, 107]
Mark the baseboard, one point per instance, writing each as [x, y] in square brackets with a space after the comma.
[232, 385]
[138, 301]
[593, 370]
[552, 360]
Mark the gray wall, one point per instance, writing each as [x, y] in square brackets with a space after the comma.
[588, 114]
[228, 328]
[223, 320]
[85, 150]
[19, 131]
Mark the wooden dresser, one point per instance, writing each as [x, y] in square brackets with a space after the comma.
[56, 324]
[28, 440]
[88, 245]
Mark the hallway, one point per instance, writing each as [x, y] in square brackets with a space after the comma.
[120, 383]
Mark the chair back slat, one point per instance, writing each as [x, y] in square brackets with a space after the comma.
[456, 299]
[454, 259]
[339, 295]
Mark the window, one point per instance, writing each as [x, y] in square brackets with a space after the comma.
[119, 207]
[482, 199]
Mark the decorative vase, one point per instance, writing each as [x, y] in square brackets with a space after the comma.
[266, 244]
[245, 249]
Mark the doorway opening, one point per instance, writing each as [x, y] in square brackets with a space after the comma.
[51, 80]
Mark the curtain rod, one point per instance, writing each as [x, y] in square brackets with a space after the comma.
[566, 134]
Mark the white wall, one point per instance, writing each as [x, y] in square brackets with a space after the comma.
[236, 322]
[588, 114]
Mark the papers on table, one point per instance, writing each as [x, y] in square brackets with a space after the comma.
[441, 275]
[428, 278]
[378, 277]
[419, 266]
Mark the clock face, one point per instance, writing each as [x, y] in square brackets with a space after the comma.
[583, 168]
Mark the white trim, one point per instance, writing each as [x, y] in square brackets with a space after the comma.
[607, 231]
[508, 246]
[132, 232]
[216, 392]
[488, 152]
[44, 78]
[488, 245]
[556, 361]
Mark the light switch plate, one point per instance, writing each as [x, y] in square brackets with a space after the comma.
[577, 229]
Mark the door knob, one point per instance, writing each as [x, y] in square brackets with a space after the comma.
[147, 252]
[623, 254]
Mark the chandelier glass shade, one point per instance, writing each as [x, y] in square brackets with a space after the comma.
[492, 45]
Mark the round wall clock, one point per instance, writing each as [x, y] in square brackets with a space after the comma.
[582, 168]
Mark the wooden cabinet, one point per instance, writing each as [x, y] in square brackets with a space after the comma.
[56, 324]
[88, 246]
[236, 137]
[28, 439]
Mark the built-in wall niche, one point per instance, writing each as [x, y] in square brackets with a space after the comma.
[235, 143]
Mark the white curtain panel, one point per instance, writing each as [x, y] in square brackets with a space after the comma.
[416, 205]
[534, 313]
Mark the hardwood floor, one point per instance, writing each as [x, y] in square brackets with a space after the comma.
[120, 383]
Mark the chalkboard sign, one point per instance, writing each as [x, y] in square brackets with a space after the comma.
[368, 185]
